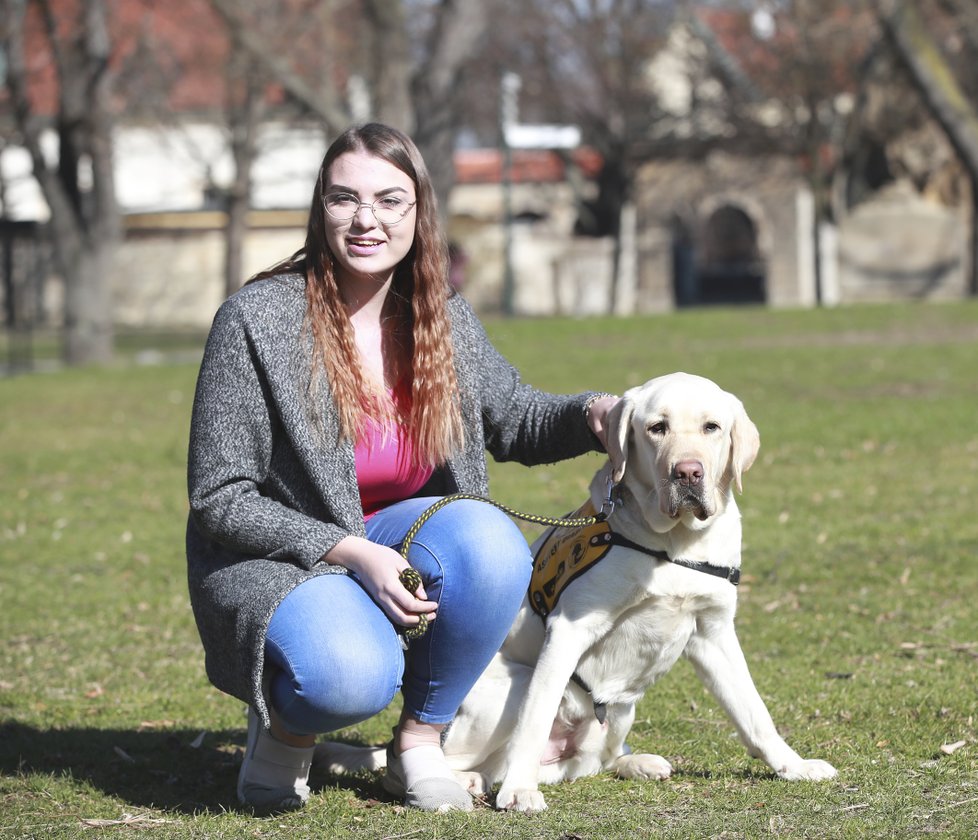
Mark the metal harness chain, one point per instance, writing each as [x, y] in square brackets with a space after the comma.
[410, 578]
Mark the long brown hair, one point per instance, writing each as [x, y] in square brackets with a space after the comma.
[417, 298]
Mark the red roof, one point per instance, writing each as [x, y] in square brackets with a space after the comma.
[485, 166]
[170, 54]
[834, 44]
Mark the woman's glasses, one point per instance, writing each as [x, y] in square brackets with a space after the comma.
[388, 210]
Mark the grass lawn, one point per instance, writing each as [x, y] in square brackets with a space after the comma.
[857, 611]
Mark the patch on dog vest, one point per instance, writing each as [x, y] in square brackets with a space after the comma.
[564, 555]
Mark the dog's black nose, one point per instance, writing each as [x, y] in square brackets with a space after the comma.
[688, 472]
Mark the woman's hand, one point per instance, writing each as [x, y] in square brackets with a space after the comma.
[597, 416]
[378, 567]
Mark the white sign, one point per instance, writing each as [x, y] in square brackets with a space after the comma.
[519, 136]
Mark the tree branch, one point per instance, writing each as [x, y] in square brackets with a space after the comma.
[335, 118]
[31, 126]
[936, 82]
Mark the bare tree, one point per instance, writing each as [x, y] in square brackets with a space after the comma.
[591, 61]
[420, 96]
[806, 71]
[449, 46]
[321, 99]
[79, 187]
[388, 63]
[941, 91]
[597, 64]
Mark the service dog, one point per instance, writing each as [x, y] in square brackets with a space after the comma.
[558, 700]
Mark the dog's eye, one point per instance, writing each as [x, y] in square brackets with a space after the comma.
[657, 428]
[711, 428]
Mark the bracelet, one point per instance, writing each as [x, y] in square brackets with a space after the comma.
[590, 401]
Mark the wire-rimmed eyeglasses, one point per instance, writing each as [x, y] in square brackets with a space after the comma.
[388, 210]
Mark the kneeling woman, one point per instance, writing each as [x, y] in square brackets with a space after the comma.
[340, 394]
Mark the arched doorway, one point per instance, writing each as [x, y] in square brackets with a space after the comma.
[685, 283]
[730, 268]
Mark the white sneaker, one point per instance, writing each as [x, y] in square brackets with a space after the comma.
[274, 776]
[437, 789]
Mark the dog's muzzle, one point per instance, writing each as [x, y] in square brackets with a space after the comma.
[688, 491]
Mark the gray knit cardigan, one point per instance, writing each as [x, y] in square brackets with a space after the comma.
[270, 489]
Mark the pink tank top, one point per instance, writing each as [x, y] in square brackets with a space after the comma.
[385, 472]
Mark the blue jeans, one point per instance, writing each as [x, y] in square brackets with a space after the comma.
[335, 658]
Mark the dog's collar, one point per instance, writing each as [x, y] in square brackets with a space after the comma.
[608, 506]
[728, 573]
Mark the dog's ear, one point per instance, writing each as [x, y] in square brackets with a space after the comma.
[619, 427]
[745, 442]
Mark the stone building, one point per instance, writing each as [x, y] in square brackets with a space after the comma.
[737, 227]
[728, 228]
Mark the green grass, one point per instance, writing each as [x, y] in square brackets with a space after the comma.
[857, 612]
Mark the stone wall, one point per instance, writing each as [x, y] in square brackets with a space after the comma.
[901, 246]
[172, 275]
[169, 272]
[554, 271]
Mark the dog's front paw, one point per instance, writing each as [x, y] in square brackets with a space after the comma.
[527, 800]
[474, 783]
[337, 758]
[808, 770]
[642, 766]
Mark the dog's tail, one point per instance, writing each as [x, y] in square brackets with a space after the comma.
[336, 757]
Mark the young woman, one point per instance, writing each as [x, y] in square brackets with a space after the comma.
[340, 394]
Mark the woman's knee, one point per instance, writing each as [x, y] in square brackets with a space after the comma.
[334, 656]
[340, 689]
[475, 543]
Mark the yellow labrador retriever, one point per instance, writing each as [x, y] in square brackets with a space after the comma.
[558, 700]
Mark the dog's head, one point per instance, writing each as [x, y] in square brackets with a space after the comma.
[683, 442]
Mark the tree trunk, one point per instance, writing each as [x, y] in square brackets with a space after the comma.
[235, 234]
[245, 107]
[945, 99]
[390, 64]
[614, 190]
[454, 37]
[616, 256]
[84, 222]
[88, 308]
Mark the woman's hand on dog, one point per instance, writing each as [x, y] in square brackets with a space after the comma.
[597, 416]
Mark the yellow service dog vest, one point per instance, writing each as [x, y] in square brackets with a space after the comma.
[565, 554]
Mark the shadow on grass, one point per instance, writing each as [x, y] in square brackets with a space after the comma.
[172, 769]
[178, 771]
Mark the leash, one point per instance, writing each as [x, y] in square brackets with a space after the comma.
[411, 580]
